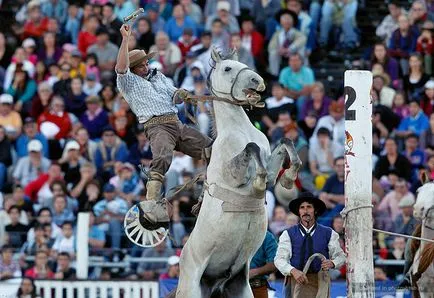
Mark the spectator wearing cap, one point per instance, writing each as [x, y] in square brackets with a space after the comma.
[244, 55]
[37, 23]
[417, 122]
[299, 242]
[427, 101]
[405, 223]
[23, 88]
[5, 156]
[128, 182]
[225, 13]
[211, 6]
[193, 10]
[111, 22]
[186, 41]
[29, 167]
[30, 132]
[157, 21]
[334, 122]
[106, 52]
[286, 42]
[140, 152]
[177, 24]
[29, 46]
[71, 162]
[19, 58]
[110, 212]
[173, 269]
[87, 36]
[110, 149]
[144, 34]
[380, 85]
[9, 118]
[91, 86]
[167, 53]
[95, 118]
[123, 8]
[318, 101]
[55, 9]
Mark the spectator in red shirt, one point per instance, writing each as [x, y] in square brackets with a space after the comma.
[186, 41]
[251, 39]
[41, 269]
[55, 115]
[37, 24]
[87, 36]
[425, 45]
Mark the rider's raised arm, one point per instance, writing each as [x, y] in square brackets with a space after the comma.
[123, 62]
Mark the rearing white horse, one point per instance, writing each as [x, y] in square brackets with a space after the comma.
[232, 222]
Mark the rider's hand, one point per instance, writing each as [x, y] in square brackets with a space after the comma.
[125, 30]
[327, 264]
[299, 276]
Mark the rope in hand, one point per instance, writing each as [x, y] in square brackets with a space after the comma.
[346, 210]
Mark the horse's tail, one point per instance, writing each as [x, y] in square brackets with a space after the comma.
[426, 258]
[415, 244]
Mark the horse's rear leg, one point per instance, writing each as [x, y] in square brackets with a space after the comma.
[239, 168]
[239, 286]
[286, 146]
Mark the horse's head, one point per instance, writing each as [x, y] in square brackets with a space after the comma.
[234, 80]
[424, 206]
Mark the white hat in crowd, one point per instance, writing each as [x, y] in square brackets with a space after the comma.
[34, 146]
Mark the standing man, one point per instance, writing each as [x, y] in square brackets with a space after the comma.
[261, 265]
[152, 98]
[299, 242]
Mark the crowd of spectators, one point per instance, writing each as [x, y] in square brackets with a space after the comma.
[69, 142]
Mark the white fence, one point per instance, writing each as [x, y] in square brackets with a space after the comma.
[85, 289]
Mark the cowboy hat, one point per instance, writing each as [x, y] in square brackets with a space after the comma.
[291, 13]
[138, 56]
[382, 75]
[319, 205]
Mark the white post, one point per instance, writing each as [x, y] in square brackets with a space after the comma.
[82, 245]
[358, 184]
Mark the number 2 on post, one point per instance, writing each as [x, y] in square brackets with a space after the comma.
[350, 93]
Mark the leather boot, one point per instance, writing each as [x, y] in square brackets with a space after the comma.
[153, 186]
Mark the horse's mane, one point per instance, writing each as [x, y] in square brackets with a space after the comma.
[427, 258]
[415, 244]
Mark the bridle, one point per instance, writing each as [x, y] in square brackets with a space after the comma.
[426, 217]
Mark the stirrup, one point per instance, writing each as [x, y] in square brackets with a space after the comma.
[138, 233]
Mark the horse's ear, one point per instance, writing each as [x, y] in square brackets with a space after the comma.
[234, 54]
[423, 177]
[215, 55]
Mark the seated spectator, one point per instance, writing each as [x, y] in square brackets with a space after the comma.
[42, 99]
[193, 10]
[71, 162]
[30, 167]
[27, 288]
[155, 17]
[416, 123]
[279, 109]
[140, 153]
[425, 46]
[187, 40]
[416, 79]
[168, 53]
[22, 89]
[63, 269]
[396, 253]
[50, 52]
[5, 156]
[58, 188]
[30, 132]
[175, 25]
[263, 14]
[380, 274]
[91, 87]
[44, 216]
[427, 101]
[8, 267]
[60, 211]
[317, 101]
[152, 270]
[403, 42]
[391, 201]
[95, 118]
[96, 235]
[9, 118]
[109, 97]
[321, 157]
[66, 242]
[341, 14]
[75, 100]
[111, 22]
[110, 213]
[78, 68]
[225, 15]
[211, 7]
[86, 199]
[173, 269]
[87, 36]
[19, 58]
[390, 22]
[405, 223]
[332, 194]
[37, 23]
[106, 53]
[338, 226]
[426, 140]
[144, 35]
[278, 223]
[110, 149]
[38, 190]
[400, 107]
[252, 40]
[40, 242]
[380, 85]
[244, 55]
[16, 231]
[41, 269]
[128, 183]
[414, 155]
[123, 8]
[419, 13]
[308, 125]
[392, 160]
[285, 43]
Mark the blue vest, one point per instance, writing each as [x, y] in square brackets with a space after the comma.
[320, 240]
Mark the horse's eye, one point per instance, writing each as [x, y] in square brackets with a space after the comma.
[227, 68]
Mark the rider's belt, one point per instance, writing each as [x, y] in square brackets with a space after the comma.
[169, 118]
[258, 282]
